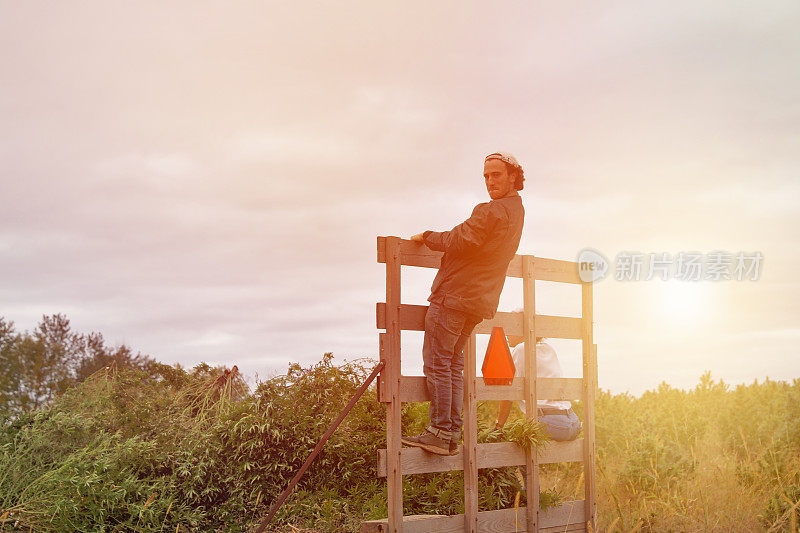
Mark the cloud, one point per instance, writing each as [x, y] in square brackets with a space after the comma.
[773, 200]
[208, 184]
[779, 334]
[214, 339]
[280, 147]
[155, 170]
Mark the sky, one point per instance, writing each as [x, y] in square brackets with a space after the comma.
[205, 181]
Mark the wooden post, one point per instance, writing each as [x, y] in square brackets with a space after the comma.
[394, 478]
[531, 407]
[589, 388]
[470, 438]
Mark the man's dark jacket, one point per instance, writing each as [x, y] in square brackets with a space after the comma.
[476, 256]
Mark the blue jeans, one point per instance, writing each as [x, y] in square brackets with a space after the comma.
[446, 334]
[562, 427]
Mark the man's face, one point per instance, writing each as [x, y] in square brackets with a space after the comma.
[499, 183]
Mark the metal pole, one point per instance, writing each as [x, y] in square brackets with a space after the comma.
[275, 506]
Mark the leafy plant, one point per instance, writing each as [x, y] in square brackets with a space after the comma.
[166, 449]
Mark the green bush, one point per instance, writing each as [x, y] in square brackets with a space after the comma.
[170, 449]
[165, 449]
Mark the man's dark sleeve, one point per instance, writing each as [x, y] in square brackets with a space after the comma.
[467, 236]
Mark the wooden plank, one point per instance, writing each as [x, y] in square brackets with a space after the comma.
[569, 528]
[546, 388]
[555, 270]
[394, 478]
[415, 389]
[488, 455]
[529, 391]
[382, 349]
[380, 525]
[414, 254]
[567, 517]
[510, 322]
[375, 526]
[469, 451]
[417, 254]
[590, 387]
[566, 514]
[557, 327]
[412, 318]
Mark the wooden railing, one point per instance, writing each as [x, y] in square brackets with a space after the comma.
[393, 389]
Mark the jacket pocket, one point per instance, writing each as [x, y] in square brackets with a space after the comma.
[452, 301]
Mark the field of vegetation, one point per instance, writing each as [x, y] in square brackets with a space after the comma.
[142, 446]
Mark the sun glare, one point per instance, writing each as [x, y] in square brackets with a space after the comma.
[683, 301]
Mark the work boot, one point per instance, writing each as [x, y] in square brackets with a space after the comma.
[453, 447]
[429, 442]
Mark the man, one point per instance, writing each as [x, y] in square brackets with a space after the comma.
[558, 417]
[465, 291]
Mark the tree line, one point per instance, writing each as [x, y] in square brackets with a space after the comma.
[37, 366]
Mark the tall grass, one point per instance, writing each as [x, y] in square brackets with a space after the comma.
[713, 458]
[198, 450]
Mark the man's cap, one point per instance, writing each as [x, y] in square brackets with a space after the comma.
[505, 157]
